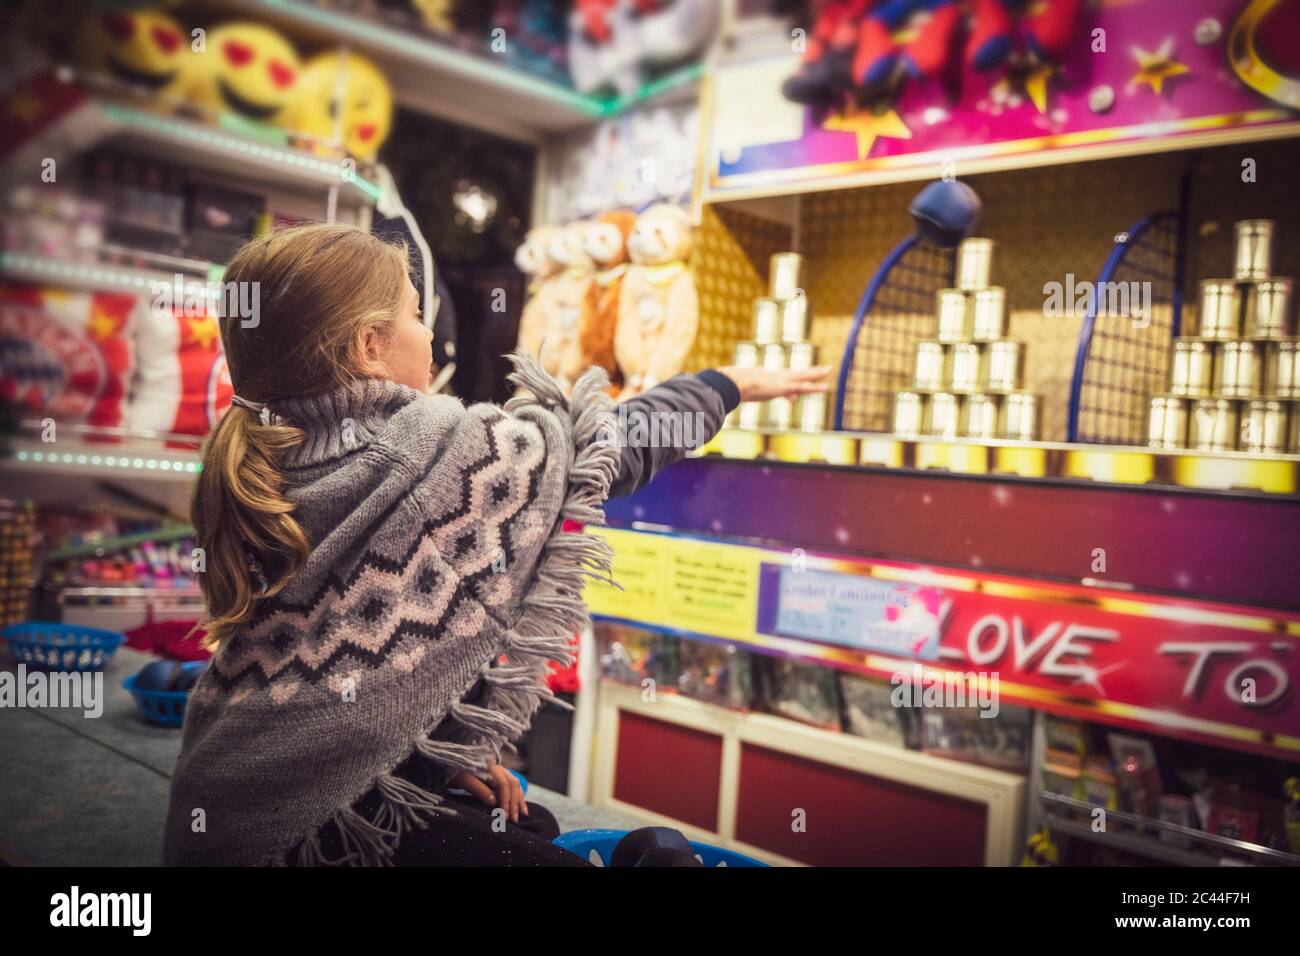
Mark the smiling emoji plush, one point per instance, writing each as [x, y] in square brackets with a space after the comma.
[343, 94]
[248, 69]
[141, 48]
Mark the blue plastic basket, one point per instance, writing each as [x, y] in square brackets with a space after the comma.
[602, 842]
[62, 647]
[165, 707]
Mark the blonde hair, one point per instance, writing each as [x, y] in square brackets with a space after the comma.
[319, 289]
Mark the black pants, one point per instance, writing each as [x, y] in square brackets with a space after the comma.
[468, 839]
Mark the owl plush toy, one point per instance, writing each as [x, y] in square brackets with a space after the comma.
[534, 260]
[658, 309]
[606, 245]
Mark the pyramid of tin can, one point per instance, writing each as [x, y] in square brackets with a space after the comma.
[1235, 385]
[969, 379]
[780, 340]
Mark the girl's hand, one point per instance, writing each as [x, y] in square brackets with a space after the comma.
[760, 384]
[502, 790]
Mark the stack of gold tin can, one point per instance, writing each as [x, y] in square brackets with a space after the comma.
[1235, 386]
[969, 380]
[781, 341]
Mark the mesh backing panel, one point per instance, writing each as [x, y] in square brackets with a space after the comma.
[1127, 361]
[901, 315]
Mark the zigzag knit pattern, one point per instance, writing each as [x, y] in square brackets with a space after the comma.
[438, 560]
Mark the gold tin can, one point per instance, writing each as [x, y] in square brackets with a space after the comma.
[964, 370]
[1283, 373]
[1268, 303]
[1006, 365]
[1167, 424]
[794, 319]
[1239, 372]
[931, 366]
[1263, 427]
[943, 415]
[988, 314]
[953, 315]
[785, 276]
[810, 412]
[767, 321]
[1191, 368]
[1254, 249]
[749, 415]
[1220, 309]
[909, 414]
[1212, 425]
[801, 355]
[974, 264]
[747, 354]
[1019, 418]
[777, 412]
[979, 416]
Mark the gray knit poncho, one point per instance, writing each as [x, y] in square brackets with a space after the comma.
[438, 560]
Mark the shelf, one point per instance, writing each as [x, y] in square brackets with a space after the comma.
[135, 460]
[193, 145]
[1139, 838]
[1120, 465]
[42, 270]
[463, 87]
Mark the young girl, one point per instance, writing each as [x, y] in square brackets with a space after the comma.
[387, 578]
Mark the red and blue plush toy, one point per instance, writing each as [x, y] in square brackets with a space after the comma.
[853, 46]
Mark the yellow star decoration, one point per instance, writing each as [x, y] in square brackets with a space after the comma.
[1155, 68]
[203, 332]
[102, 325]
[24, 107]
[869, 126]
[1032, 79]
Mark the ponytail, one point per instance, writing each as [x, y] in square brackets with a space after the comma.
[251, 542]
[315, 291]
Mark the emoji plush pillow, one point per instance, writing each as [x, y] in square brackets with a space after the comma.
[343, 97]
[246, 69]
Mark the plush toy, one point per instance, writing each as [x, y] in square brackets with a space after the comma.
[604, 48]
[670, 31]
[606, 245]
[246, 68]
[569, 301]
[658, 309]
[533, 259]
[350, 91]
[825, 72]
[143, 48]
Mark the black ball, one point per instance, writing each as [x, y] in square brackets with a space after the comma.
[157, 675]
[946, 212]
[188, 674]
[667, 856]
[629, 850]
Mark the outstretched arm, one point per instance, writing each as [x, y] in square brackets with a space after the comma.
[658, 427]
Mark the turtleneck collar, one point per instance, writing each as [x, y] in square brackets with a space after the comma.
[341, 421]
